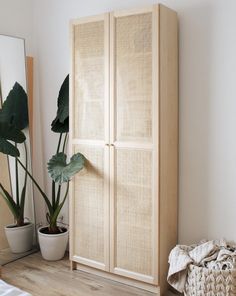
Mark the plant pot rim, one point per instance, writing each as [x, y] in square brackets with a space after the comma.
[52, 235]
[13, 227]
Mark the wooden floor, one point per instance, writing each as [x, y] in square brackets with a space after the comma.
[6, 256]
[42, 278]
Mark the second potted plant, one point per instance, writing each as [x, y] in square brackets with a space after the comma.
[13, 120]
[53, 238]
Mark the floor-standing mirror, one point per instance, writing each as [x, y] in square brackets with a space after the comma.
[16, 193]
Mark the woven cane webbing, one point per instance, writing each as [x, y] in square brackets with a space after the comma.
[133, 72]
[206, 282]
[89, 81]
[89, 205]
[134, 210]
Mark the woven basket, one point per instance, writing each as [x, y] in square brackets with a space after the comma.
[207, 282]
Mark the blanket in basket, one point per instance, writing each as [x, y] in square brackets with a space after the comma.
[216, 255]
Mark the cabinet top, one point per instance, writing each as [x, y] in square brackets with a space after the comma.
[119, 13]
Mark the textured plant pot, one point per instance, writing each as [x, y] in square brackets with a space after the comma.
[53, 246]
[20, 239]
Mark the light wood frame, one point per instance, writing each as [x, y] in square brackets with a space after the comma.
[100, 143]
[164, 147]
[131, 145]
[30, 92]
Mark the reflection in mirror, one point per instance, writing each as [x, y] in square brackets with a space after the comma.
[17, 218]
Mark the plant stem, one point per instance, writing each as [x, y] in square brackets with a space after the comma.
[53, 223]
[10, 202]
[53, 194]
[17, 180]
[26, 163]
[56, 203]
[22, 201]
[67, 190]
[53, 183]
[58, 195]
[64, 145]
[38, 187]
[59, 143]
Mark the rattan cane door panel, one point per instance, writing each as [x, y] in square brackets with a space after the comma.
[89, 79]
[133, 246]
[89, 206]
[133, 77]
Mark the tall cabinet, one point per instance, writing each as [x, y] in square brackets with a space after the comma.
[124, 119]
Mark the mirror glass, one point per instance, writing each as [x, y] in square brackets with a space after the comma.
[13, 75]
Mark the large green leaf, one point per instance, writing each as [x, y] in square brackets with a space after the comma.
[58, 127]
[9, 149]
[15, 107]
[10, 133]
[61, 123]
[62, 172]
[63, 100]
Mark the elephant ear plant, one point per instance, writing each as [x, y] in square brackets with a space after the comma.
[13, 119]
[59, 170]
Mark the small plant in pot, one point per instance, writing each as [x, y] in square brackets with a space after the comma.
[53, 238]
[13, 120]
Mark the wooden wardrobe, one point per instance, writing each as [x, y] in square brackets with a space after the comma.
[124, 119]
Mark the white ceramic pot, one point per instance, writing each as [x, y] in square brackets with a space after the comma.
[53, 246]
[20, 239]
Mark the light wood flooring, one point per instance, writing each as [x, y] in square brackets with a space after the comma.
[6, 256]
[43, 278]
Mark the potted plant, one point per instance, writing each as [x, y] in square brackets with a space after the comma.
[53, 238]
[13, 120]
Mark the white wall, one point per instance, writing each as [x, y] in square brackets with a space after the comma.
[207, 101]
[16, 19]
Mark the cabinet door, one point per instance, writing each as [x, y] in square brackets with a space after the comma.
[89, 206]
[90, 78]
[89, 134]
[133, 202]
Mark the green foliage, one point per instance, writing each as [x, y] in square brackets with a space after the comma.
[13, 119]
[10, 133]
[15, 108]
[62, 172]
[61, 123]
[58, 169]
[60, 127]
[10, 202]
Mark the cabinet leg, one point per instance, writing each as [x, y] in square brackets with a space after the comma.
[73, 265]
